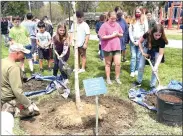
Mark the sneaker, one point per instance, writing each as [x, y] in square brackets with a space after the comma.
[132, 74]
[81, 71]
[124, 60]
[109, 82]
[118, 80]
[41, 70]
[136, 73]
[136, 84]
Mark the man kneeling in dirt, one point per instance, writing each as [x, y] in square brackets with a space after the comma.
[13, 99]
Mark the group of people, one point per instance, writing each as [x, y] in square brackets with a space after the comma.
[146, 39]
[23, 41]
[144, 35]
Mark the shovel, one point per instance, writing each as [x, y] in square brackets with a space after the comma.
[156, 74]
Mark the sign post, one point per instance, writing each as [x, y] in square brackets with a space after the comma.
[95, 87]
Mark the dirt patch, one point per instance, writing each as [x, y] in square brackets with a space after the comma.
[170, 98]
[151, 100]
[35, 85]
[60, 117]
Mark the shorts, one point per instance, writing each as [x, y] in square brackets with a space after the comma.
[111, 53]
[123, 47]
[43, 54]
[28, 56]
[34, 46]
[82, 51]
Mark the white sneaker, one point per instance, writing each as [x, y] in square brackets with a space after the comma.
[109, 82]
[136, 72]
[81, 71]
[132, 74]
[118, 81]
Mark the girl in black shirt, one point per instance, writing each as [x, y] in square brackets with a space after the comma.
[154, 43]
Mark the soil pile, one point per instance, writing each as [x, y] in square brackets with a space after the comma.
[35, 85]
[151, 100]
[170, 98]
[60, 117]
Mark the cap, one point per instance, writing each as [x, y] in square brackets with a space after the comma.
[18, 47]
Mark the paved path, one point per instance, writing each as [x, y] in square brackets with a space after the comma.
[172, 43]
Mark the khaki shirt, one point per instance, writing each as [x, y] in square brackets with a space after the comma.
[11, 83]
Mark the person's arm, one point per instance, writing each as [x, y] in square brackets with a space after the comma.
[87, 30]
[146, 25]
[16, 85]
[160, 56]
[38, 43]
[130, 33]
[49, 40]
[55, 50]
[106, 37]
[141, 40]
[65, 49]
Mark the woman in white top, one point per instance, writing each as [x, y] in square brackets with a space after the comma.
[138, 26]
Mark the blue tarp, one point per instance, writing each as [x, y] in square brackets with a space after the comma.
[139, 94]
[56, 83]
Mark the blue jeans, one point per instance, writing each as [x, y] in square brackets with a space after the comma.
[141, 69]
[135, 57]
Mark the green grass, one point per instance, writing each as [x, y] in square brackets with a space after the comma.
[174, 37]
[146, 123]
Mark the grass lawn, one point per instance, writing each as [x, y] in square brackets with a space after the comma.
[146, 123]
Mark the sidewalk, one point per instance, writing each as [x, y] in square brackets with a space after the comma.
[172, 43]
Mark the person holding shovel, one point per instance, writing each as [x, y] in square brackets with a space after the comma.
[154, 49]
[13, 99]
[61, 49]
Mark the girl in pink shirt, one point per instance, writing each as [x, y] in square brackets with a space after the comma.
[110, 33]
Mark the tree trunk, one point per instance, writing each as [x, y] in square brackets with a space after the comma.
[77, 92]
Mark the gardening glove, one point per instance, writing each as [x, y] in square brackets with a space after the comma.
[31, 108]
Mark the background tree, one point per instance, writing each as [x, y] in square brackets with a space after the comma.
[11, 8]
[86, 6]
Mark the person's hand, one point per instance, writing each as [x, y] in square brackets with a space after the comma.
[31, 108]
[136, 43]
[145, 55]
[24, 79]
[115, 33]
[60, 57]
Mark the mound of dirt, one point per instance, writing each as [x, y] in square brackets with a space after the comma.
[60, 117]
[35, 85]
[151, 100]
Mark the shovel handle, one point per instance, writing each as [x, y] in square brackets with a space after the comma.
[156, 74]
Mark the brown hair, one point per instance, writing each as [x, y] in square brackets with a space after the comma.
[157, 28]
[110, 13]
[58, 36]
[102, 17]
[142, 18]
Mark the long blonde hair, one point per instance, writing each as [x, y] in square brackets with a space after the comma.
[59, 37]
[142, 18]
